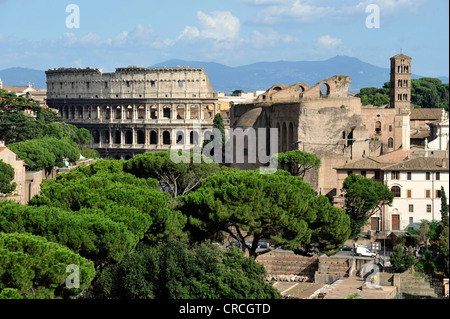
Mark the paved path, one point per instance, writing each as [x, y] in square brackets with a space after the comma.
[344, 287]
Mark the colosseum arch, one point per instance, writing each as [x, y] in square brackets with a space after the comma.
[166, 138]
[193, 138]
[128, 137]
[153, 138]
[118, 112]
[140, 137]
[117, 137]
[141, 112]
[129, 112]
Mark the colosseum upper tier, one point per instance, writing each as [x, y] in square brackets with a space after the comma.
[135, 110]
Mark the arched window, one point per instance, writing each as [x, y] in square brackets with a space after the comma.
[324, 90]
[396, 191]
[140, 137]
[129, 137]
[193, 138]
[153, 138]
[141, 112]
[378, 128]
[391, 142]
[166, 138]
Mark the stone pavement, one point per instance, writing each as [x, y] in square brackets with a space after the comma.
[344, 287]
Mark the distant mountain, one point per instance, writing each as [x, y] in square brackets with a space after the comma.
[253, 77]
[262, 75]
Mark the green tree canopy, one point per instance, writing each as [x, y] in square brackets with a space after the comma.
[249, 206]
[364, 198]
[91, 235]
[176, 270]
[401, 258]
[36, 268]
[425, 93]
[122, 197]
[296, 162]
[6, 177]
[45, 153]
[175, 178]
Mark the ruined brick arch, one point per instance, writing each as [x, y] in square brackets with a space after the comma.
[325, 89]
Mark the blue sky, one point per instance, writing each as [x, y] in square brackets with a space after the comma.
[34, 34]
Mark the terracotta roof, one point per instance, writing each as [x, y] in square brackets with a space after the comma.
[366, 163]
[421, 133]
[419, 164]
[426, 114]
[401, 56]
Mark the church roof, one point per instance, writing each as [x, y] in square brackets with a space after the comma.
[401, 56]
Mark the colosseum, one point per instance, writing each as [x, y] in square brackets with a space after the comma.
[135, 110]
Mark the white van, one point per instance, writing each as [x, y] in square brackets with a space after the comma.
[363, 251]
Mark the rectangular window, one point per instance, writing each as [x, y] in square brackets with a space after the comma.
[128, 84]
[427, 193]
[409, 193]
[377, 174]
[152, 84]
[87, 85]
[428, 208]
[427, 176]
[395, 175]
[411, 208]
[390, 128]
[349, 173]
[409, 176]
[363, 174]
[438, 176]
[438, 193]
[106, 85]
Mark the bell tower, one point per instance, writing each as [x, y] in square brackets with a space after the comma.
[401, 82]
[400, 99]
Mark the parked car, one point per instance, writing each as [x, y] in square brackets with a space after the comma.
[264, 244]
[346, 248]
[363, 251]
[237, 244]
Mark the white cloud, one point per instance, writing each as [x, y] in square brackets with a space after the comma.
[327, 42]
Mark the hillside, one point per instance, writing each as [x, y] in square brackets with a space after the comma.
[252, 77]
